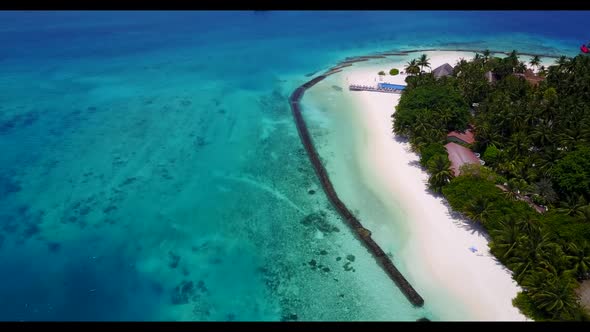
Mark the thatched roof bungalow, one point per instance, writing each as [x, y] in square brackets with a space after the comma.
[443, 70]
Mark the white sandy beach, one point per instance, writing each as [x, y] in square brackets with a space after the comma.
[437, 251]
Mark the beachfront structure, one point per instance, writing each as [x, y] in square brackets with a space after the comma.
[391, 86]
[465, 137]
[443, 70]
[530, 76]
[381, 87]
[459, 156]
[491, 77]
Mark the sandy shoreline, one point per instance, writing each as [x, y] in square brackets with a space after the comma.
[437, 251]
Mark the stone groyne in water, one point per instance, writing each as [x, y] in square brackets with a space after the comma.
[363, 234]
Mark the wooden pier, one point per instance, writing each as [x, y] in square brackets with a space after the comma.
[356, 87]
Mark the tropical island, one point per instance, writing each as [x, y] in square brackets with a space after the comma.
[491, 155]
[140, 184]
[534, 138]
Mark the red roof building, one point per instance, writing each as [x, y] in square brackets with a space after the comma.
[459, 156]
[466, 137]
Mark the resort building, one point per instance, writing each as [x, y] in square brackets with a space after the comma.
[466, 137]
[491, 77]
[530, 76]
[443, 70]
[459, 156]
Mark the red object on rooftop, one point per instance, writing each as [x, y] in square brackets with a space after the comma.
[584, 49]
[459, 156]
[466, 137]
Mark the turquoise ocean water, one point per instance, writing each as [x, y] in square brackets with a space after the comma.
[150, 168]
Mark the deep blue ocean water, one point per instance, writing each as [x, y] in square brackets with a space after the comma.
[150, 169]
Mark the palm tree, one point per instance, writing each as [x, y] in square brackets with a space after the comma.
[460, 67]
[511, 192]
[441, 174]
[520, 67]
[569, 65]
[424, 61]
[513, 59]
[479, 209]
[513, 54]
[518, 143]
[563, 64]
[529, 226]
[547, 159]
[412, 67]
[544, 188]
[445, 115]
[535, 61]
[574, 135]
[417, 143]
[554, 259]
[505, 238]
[534, 280]
[543, 133]
[486, 56]
[557, 296]
[514, 186]
[562, 60]
[542, 71]
[421, 123]
[487, 135]
[532, 248]
[579, 258]
[553, 293]
[437, 134]
[573, 205]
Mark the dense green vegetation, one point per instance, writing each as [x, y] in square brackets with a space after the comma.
[431, 150]
[535, 140]
[429, 110]
[394, 71]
